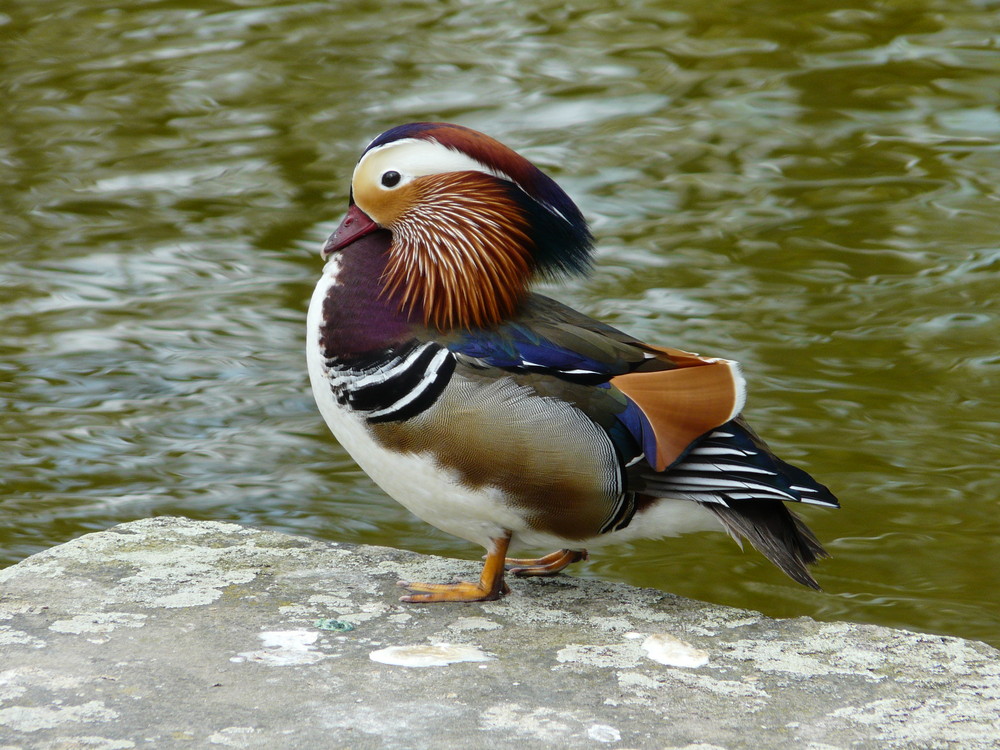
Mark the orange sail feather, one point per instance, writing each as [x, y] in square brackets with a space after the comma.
[684, 403]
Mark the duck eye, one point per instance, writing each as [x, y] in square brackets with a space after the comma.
[390, 178]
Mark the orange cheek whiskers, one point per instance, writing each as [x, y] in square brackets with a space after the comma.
[464, 259]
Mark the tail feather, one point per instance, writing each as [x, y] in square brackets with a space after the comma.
[731, 472]
[775, 532]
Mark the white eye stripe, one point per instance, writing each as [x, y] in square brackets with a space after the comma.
[416, 157]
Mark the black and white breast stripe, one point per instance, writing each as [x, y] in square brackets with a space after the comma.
[621, 514]
[726, 465]
[394, 384]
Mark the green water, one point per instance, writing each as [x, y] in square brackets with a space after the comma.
[808, 187]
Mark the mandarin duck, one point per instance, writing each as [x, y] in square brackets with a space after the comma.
[502, 416]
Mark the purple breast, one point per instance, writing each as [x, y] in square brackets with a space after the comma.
[357, 314]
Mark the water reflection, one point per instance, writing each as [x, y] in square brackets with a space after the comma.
[809, 190]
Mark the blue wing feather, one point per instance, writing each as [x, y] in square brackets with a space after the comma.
[515, 346]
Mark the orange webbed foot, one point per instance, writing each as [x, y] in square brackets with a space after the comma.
[544, 566]
[460, 591]
[491, 584]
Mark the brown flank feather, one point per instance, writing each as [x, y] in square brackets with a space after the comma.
[461, 252]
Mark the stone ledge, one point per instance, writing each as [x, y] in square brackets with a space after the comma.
[168, 632]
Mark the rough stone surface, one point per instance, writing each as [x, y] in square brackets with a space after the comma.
[174, 633]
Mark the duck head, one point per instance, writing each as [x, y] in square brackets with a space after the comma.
[472, 223]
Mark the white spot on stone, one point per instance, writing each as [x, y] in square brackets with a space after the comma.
[284, 648]
[922, 722]
[666, 649]
[825, 657]
[646, 689]
[203, 528]
[98, 622]
[434, 655]
[233, 736]
[366, 612]
[177, 569]
[604, 733]
[89, 743]
[15, 682]
[34, 718]
[333, 602]
[11, 637]
[291, 639]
